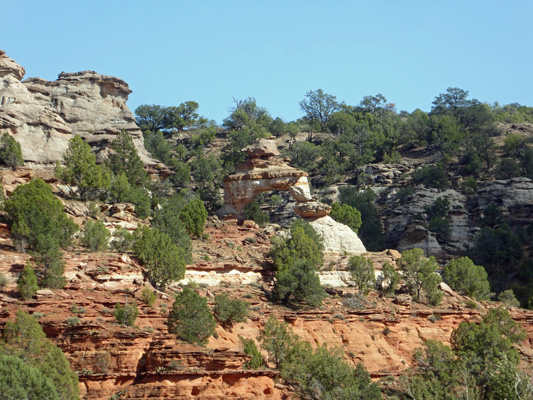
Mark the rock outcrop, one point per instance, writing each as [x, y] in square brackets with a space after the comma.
[338, 238]
[263, 171]
[405, 221]
[43, 116]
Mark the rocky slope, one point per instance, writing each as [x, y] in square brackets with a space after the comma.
[403, 216]
[43, 116]
[147, 362]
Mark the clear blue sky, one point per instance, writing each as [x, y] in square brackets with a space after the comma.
[212, 51]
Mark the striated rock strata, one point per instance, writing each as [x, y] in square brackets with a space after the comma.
[263, 171]
[43, 116]
[406, 225]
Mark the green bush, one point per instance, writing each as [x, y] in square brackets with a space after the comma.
[148, 296]
[466, 278]
[125, 160]
[362, 271]
[508, 298]
[126, 314]
[390, 279]
[95, 236]
[25, 339]
[76, 309]
[440, 226]
[297, 283]
[498, 249]
[81, 169]
[208, 174]
[303, 244]
[120, 189]
[254, 213]
[297, 260]
[123, 240]
[436, 214]
[167, 220]
[38, 222]
[142, 201]
[72, 321]
[315, 374]
[371, 230]
[347, 215]
[3, 280]
[10, 152]
[229, 311]
[431, 176]
[482, 363]
[37, 218]
[190, 318]
[27, 282]
[194, 216]
[51, 266]
[256, 359]
[163, 260]
[278, 339]
[19, 380]
[469, 185]
[420, 275]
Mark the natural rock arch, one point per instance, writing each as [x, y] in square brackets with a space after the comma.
[263, 171]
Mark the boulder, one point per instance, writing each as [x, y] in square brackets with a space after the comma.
[338, 238]
[10, 67]
[262, 148]
[312, 209]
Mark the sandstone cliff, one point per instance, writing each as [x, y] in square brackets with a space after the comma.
[145, 362]
[43, 116]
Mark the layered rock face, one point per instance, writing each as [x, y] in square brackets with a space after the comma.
[404, 218]
[263, 171]
[43, 116]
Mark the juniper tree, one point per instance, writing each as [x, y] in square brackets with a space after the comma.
[81, 169]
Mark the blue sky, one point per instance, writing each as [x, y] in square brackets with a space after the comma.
[276, 51]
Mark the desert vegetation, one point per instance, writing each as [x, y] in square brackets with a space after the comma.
[459, 145]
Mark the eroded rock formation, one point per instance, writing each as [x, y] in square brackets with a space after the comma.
[43, 116]
[263, 171]
[405, 219]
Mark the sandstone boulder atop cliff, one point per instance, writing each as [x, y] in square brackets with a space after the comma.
[312, 209]
[261, 148]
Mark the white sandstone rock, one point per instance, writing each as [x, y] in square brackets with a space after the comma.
[338, 238]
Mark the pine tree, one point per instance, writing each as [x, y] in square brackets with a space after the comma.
[466, 278]
[362, 271]
[125, 160]
[81, 169]
[190, 318]
[163, 260]
[10, 151]
[420, 275]
[194, 216]
[27, 282]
